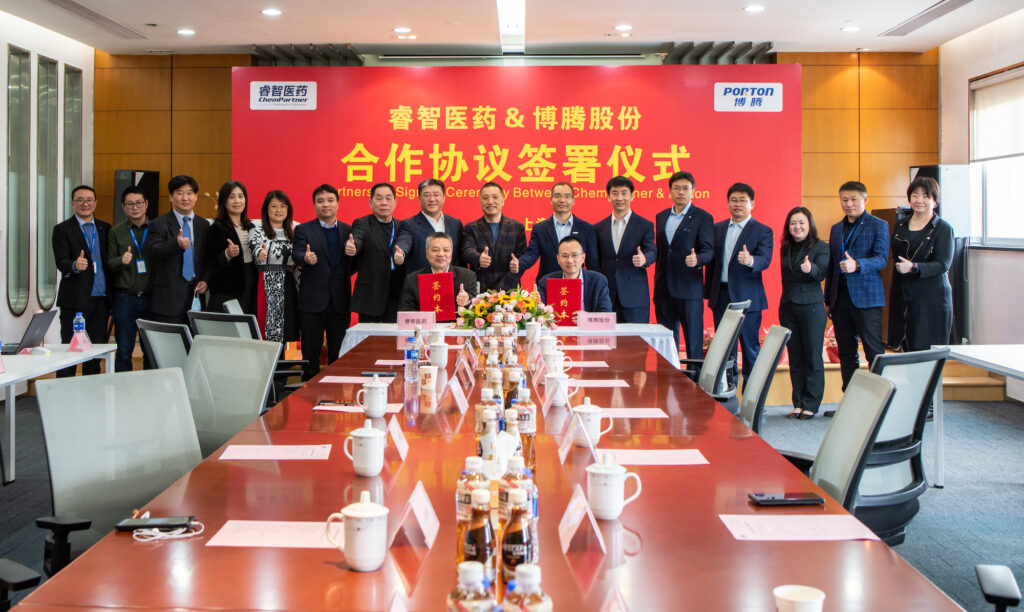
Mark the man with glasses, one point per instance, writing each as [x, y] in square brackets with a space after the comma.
[128, 256]
[411, 244]
[78, 247]
[545, 236]
[179, 240]
[595, 286]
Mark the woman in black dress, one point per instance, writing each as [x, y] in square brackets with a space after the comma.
[922, 251]
[231, 273]
[802, 309]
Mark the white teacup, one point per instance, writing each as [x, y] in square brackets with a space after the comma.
[798, 598]
[590, 418]
[439, 355]
[606, 486]
[366, 533]
[436, 336]
[532, 331]
[556, 361]
[548, 344]
[367, 452]
[373, 397]
[556, 386]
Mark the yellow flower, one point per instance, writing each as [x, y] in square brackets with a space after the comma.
[481, 309]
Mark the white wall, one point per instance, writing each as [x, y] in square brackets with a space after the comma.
[40, 41]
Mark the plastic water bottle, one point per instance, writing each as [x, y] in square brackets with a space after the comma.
[412, 360]
[78, 325]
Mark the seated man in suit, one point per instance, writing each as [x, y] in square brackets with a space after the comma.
[743, 249]
[179, 242]
[375, 295]
[571, 259]
[411, 244]
[546, 235]
[492, 244]
[625, 245]
[439, 255]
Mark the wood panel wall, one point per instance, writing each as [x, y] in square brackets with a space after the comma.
[169, 113]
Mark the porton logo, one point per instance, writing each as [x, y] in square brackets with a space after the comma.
[282, 95]
[748, 97]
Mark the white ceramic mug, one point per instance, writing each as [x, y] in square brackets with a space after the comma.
[373, 397]
[367, 449]
[439, 355]
[556, 386]
[556, 361]
[606, 487]
[798, 598]
[436, 336]
[590, 418]
[365, 542]
[548, 344]
[532, 331]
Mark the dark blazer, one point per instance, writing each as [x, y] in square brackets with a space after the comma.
[922, 300]
[544, 246]
[625, 280]
[595, 290]
[410, 300]
[869, 245]
[322, 283]
[797, 286]
[223, 275]
[170, 291]
[68, 241]
[412, 239]
[373, 263]
[744, 281]
[476, 236]
[672, 277]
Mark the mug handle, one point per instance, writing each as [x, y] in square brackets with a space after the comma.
[635, 495]
[327, 527]
[609, 428]
[567, 363]
[361, 394]
[345, 447]
[576, 388]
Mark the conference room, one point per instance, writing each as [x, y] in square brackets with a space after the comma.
[583, 152]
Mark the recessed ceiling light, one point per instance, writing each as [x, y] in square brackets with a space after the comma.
[851, 28]
[753, 8]
[622, 27]
[864, 49]
[407, 37]
[402, 30]
[271, 12]
[186, 32]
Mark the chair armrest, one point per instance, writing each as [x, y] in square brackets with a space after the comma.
[696, 362]
[293, 386]
[57, 550]
[998, 585]
[15, 576]
[61, 525]
[291, 363]
[800, 461]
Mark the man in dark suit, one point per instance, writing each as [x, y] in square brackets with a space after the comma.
[625, 247]
[371, 245]
[439, 255]
[685, 239]
[323, 303]
[492, 244]
[179, 241]
[743, 249]
[859, 249]
[546, 235]
[571, 258]
[78, 247]
[411, 244]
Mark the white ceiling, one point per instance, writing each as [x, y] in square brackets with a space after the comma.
[470, 26]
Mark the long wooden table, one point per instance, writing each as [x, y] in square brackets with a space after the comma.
[668, 551]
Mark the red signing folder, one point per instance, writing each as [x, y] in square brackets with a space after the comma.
[565, 295]
[437, 295]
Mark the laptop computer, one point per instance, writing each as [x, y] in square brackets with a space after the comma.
[34, 335]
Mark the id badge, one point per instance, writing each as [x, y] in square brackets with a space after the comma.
[94, 268]
[140, 266]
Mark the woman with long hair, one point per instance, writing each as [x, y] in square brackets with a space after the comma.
[231, 273]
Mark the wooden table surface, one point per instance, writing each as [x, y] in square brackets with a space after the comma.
[668, 551]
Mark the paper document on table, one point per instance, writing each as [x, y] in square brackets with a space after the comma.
[354, 408]
[600, 384]
[576, 347]
[389, 362]
[589, 364]
[796, 527]
[277, 534]
[666, 456]
[634, 413]
[350, 380]
[275, 452]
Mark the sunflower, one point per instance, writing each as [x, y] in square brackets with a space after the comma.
[481, 309]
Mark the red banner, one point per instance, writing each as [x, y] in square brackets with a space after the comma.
[437, 295]
[565, 295]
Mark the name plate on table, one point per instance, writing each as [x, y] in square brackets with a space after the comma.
[398, 437]
[577, 510]
[601, 321]
[605, 343]
[409, 320]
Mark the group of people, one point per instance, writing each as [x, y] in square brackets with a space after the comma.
[159, 269]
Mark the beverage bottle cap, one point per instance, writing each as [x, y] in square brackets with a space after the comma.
[516, 462]
[527, 575]
[517, 496]
[481, 496]
[474, 464]
[511, 414]
[486, 394]
[471, 572]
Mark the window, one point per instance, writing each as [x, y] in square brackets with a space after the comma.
[19, 77]
[997, 155]
[72, 133]
[46, 179]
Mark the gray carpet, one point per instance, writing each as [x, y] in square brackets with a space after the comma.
[976, 518]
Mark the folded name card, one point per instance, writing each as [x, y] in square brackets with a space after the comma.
[409, 320]
[603, 321]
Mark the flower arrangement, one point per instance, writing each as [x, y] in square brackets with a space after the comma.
[523, 305]
[831, 348]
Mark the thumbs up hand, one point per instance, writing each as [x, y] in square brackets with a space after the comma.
[81, 263]
[848, 264]
[310, 256]
[485, 258]
[805, 265]
[399, 256]
[127, 257]
[639, 260]
[904, 265]
[691, 259]
[513, 266]
[462, 298]
[350, 246]
[264, 253]
[183, 242]
[232, 250]
[744, 257]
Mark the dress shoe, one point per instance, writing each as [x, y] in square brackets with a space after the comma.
[829, 413]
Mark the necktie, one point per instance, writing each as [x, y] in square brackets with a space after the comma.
[187, 266]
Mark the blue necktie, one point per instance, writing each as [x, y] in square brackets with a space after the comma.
[98, 282]
[188, 271]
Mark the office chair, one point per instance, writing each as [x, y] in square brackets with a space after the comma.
[233, 307]
[998, 586]
[894, 476]
[110, 448]
[14, 577]
[718, 357]
[755, 391]
[166, 344]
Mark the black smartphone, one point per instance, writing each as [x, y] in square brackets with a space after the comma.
[156, 522]
[792, 498]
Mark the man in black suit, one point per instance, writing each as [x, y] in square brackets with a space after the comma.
[743, 249]
[492, 244]
[685, 238]
[323, 304]
[439, 255]
[78, 246]
[179, 241]
[546, 235]
[411, 245]
[625, 246]
[371, 245]
[570, 261]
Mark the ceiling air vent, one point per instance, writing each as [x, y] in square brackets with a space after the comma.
[100, 21]
[925, 17]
